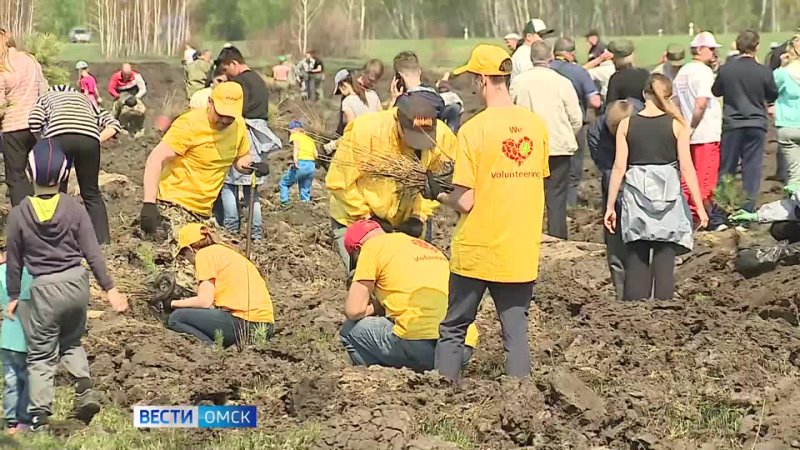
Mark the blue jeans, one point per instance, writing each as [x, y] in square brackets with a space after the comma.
[303, 176]
[226, 209]
[15, 389]
[745, 145]
[370, 341]
[204, 323]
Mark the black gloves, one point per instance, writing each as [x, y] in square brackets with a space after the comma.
[130, 102]
[149, 218]
[412, 227]
[385, 225]
[260, 168]
[434, 187]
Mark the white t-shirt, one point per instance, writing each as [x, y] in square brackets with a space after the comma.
[601, 75]
[353, 104]
[521, 60]
[694, 81]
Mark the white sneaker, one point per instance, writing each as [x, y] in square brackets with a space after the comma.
[742, 229]
[721, 227]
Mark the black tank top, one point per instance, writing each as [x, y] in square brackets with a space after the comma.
[651, 140]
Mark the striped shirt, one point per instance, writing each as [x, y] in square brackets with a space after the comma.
[64, 110]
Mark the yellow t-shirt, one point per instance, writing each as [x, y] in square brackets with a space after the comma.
[193, 179]
[355, 196]
[502, 155]
[308, 148]
[411, 282]
[234, 277]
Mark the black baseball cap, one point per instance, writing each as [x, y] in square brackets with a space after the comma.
[417, 117]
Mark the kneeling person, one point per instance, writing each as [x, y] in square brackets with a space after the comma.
[232, 296]
[409, 279]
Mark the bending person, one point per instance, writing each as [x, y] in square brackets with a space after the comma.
[784, 215]
[80, 126]
[232, 296]
[409, 278]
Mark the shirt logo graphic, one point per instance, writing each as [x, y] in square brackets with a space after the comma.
[425, 245]
[518, 151]
[423, 122]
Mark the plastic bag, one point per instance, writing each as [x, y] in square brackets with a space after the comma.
[752, 262]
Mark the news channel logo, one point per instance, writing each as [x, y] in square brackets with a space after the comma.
[195, 416]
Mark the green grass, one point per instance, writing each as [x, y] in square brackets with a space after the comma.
[702, 418]
[448, 430]
[113, 429]
[456, 51]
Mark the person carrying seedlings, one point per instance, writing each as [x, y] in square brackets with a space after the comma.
[79, 126]
[13, 352]
[87, 83]
[304, 164]
[232, 296]
[410, 131]
[262, 141]
[655, 222]
[185, 171]
[602, 140]
[51, 235]
[499, 173]
[408, 278]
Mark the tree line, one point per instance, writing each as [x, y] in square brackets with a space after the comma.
[161, 26]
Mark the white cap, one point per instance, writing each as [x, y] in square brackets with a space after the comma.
[514, 36]
[704, 39]
[341, 75]
[537, 26]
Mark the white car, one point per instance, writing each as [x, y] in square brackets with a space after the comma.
[80, 35]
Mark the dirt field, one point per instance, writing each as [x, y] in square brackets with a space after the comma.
[716, 369]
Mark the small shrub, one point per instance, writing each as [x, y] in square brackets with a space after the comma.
[219, 340]
[728, 195]
[46, 48]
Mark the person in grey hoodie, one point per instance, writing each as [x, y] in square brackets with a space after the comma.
[51, 234]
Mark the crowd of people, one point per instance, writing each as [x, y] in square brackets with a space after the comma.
[660, 141]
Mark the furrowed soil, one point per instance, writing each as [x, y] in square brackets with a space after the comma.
[715, 369]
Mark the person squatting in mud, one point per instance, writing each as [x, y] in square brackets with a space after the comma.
[127, 88]
[410, 130]
[499, 255]
[408, 278]
[232, 296]
[51, 235]
[184, 173]
[655, 223]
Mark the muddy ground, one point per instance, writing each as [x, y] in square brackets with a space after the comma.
[716, 369]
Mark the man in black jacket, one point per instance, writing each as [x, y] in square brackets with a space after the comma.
[747, 87]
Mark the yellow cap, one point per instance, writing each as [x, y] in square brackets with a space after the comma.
[189, 234]
[228, 99]
[485, 60]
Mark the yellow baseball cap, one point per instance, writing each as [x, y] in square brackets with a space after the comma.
[189, 234]
[228, 99]
[485, 60]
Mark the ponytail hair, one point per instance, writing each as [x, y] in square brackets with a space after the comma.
[358, 89]
[659, 89]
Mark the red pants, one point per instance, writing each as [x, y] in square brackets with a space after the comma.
[706, 163]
